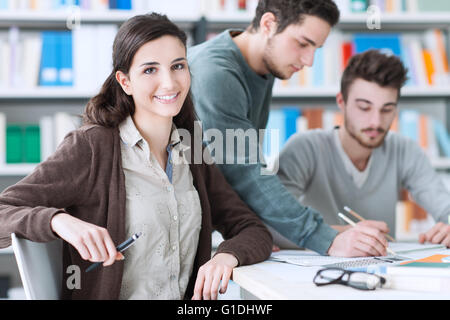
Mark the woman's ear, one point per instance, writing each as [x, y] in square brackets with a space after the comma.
[124, 82]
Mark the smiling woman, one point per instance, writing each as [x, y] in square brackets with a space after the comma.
[127, 171]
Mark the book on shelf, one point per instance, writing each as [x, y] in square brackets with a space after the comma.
[34, 142]
[424, 54]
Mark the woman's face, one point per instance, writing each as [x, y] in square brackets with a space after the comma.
[158, 79]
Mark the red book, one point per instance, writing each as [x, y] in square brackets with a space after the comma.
[347, 53]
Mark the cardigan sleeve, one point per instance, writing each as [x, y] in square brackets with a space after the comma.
[246, 237]
[27, 207]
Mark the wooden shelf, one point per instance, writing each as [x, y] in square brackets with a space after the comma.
[46, 93]
[330, 92]
[278, 92]
[350, 21]
[17, 170]
[58, 18]
[358, 20]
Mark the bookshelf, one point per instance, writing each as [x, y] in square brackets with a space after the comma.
[200, 24]
[58, 18]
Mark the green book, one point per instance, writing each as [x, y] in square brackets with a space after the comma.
[358, 6]
[14, 143]
[32, 143]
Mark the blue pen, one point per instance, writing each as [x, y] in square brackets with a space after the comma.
[121, 247]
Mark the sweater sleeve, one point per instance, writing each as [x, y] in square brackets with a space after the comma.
[421, 180]
[245, 235]
[264, 194]
[297, 164]
[27, 207]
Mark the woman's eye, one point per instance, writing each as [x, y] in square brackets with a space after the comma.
[178, 66]
[150, 70]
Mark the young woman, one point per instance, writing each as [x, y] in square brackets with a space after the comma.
[127, 170]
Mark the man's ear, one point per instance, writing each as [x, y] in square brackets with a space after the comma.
[124, 82]
[268, 24]
[340, 101]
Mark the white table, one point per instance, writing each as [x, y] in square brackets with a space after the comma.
[270, 280]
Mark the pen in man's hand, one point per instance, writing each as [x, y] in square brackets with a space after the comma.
[120, 248]
[350, 222]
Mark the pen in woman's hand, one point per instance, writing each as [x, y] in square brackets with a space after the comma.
[120, 248]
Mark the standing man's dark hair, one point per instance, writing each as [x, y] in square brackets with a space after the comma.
[293, 11]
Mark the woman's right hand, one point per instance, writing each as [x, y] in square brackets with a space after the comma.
[92, 242]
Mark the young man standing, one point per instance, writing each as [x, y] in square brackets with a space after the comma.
[361, 164]
[232, 80]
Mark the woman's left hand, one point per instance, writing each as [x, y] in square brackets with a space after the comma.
[220, 267]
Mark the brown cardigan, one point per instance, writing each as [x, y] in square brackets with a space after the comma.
[84, 177]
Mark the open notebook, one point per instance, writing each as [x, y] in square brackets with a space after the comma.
[311, 259]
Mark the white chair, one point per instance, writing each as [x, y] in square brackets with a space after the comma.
[40, 267]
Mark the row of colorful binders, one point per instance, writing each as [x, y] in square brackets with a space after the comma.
[81, 58]
[424, 54]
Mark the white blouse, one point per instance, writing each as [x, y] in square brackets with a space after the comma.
[166, 211]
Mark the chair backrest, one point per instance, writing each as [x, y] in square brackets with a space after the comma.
[40, 267]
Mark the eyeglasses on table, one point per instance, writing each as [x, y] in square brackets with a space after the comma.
[355, 279]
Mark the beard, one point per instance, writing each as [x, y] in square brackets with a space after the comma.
[269, 62]
[358, 138]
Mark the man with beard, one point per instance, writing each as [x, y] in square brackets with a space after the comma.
[232, 80]
[361, 164]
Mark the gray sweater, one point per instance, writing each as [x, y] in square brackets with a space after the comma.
[313, 171]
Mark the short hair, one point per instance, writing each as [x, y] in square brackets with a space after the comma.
[289, 12]
[374, 66]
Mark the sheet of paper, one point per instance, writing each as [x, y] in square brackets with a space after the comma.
[311, 259]
[407, 247]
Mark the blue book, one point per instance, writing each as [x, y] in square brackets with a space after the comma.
[388, 43]
[124, 4]
[290, 117]
[113, 4]
[4, 4]
[409, 124]
[65, 68]
[56, 4]
[319, 68]
[48, 74]
[442, 137]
